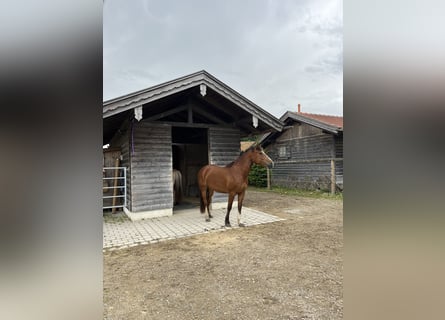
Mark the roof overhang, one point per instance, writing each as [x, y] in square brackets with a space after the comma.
[214, 94]
[313, 122]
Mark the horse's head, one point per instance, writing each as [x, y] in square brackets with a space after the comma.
[260, 157]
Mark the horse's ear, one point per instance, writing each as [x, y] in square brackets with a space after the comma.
[256, 144]
[258, 147]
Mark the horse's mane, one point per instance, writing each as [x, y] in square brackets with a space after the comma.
[230, 164]
[241, 154]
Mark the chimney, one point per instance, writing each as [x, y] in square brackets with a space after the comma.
[299, 108]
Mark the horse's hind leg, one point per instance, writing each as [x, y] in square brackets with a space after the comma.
[240, 205]
[229, 207]
[203, 192]
[209, 201]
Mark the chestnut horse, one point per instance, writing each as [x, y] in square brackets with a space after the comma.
[231, 179]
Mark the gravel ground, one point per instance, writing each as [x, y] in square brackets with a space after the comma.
[290, 269]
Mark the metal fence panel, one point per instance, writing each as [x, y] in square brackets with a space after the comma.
[115, 193]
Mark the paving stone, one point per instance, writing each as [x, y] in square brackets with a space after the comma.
[182, 224]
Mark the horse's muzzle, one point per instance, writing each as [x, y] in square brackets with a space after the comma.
[271, 165]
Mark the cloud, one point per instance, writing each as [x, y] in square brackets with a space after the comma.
[327, 64]
[269, 51]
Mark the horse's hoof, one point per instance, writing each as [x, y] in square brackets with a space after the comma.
[207, 219]
[228, 225]
[241, 225]
[210, 216]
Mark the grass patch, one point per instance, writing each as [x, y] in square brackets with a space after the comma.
[118, 217]
[318, 194]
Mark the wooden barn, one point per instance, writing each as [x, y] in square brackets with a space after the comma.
[308, 153]
[182, 124]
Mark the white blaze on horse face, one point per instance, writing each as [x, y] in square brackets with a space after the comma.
[269, 160]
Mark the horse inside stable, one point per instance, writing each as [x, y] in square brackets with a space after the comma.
[177, 186]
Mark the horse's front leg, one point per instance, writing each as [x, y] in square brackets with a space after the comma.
[240, 205]
[229, 207]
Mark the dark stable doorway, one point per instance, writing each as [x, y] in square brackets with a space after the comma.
[190, 153]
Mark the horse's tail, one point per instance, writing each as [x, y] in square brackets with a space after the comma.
[201, 183]
[201, 202]
[202, 207]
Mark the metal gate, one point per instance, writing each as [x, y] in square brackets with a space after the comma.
[114, 188]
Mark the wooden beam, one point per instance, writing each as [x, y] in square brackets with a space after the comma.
[193, 125]
[207, 103]
[167, 113]
[333, 182]
[207, 115]
[310, 160]
[190, 114]
[244, 121]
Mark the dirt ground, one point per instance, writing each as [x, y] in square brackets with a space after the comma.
[290, 269]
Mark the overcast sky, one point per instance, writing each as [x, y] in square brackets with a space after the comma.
[277, 53]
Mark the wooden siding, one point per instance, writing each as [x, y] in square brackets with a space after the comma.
[296, 154]
[224, 147]
[339, 154]
[310, 176]
[151, 167]
[312, 147]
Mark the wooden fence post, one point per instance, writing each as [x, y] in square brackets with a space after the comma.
[333, 182]
[268, 178]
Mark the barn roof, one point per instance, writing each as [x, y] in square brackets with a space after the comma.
[324, 118]
[328, 123]
[220, 105]
[332, 124]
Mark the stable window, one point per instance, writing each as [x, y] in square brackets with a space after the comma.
[282, 152]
